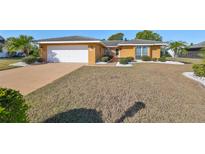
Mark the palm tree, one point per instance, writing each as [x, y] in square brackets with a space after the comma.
[178, 47]
[22, 43]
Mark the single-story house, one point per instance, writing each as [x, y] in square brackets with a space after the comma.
[90, 50]
[194, 50]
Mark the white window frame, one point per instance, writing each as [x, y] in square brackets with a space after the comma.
[141, 50]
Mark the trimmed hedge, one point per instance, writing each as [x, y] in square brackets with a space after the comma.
[199, 70]
[162, 59]
[124, 60]
[12, 106]
[105, 59]
[130, 59]
[39, 59]
[29, 59]
[146, 58]
[154, 59]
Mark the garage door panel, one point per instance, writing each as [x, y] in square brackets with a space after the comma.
[68, 54]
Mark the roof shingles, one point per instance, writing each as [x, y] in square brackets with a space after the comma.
[113, 43]
[70, 38]
[199, 45]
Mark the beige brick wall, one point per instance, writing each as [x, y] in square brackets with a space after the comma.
[127, 51]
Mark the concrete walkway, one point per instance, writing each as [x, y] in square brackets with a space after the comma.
[30, 78]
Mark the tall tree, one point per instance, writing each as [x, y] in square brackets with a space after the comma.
[22, 43]
[118, 36]
[148, 35]
[178, 47]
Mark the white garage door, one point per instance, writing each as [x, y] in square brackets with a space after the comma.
[68, 53]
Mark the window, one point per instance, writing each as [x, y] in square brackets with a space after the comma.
[141, 51]
[144, 51]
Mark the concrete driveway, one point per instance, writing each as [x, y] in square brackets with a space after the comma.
[30, 78]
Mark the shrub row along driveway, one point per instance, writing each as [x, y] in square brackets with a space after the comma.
[144, 93]
[28, 79]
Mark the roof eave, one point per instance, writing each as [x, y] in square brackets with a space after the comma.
[161, 44]
[69, 42]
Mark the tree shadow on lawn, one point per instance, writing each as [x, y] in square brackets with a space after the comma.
[130, 112]
[83, 115]
[80, 115]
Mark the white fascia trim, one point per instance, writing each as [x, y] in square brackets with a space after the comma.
[112, 46]
[62, 42]
[139, 44]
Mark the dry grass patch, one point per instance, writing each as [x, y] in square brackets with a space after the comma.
[144, 93]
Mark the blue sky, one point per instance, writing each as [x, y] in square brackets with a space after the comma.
[190, 36]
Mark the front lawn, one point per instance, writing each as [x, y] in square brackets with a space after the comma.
[4, 63]
[186, 60]
[143, 93]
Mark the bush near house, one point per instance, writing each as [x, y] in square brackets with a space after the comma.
[199, 70]
[12, 106]
[154, 59]
[130, 59]
[124, 60]
[162, 59]
[146, 58]
[105, 59]
[39, 59]
[29, 59]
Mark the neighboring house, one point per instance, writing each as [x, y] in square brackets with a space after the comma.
[90, 50]
[2, 40]
[3, 53]
[194, 50]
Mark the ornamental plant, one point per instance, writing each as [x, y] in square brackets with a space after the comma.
[13, 108]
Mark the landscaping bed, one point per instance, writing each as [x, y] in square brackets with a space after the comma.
[159, 62]
[142, 93]
[198, 74]
[192, 76]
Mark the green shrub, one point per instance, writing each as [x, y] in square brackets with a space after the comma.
[39, 59]
[162, 59]
[12, 106]
[29, 59]
[34, 51]
[154, 59]
[199, 70]
[110, 56]
[166, 54]
[130, 59]
[105, 59]
[124, 60]
[146, 58]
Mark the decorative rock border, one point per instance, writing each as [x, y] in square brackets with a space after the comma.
[158, 62]
[101, 63]
[192, 76]
[124, 65]
[19, 64]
